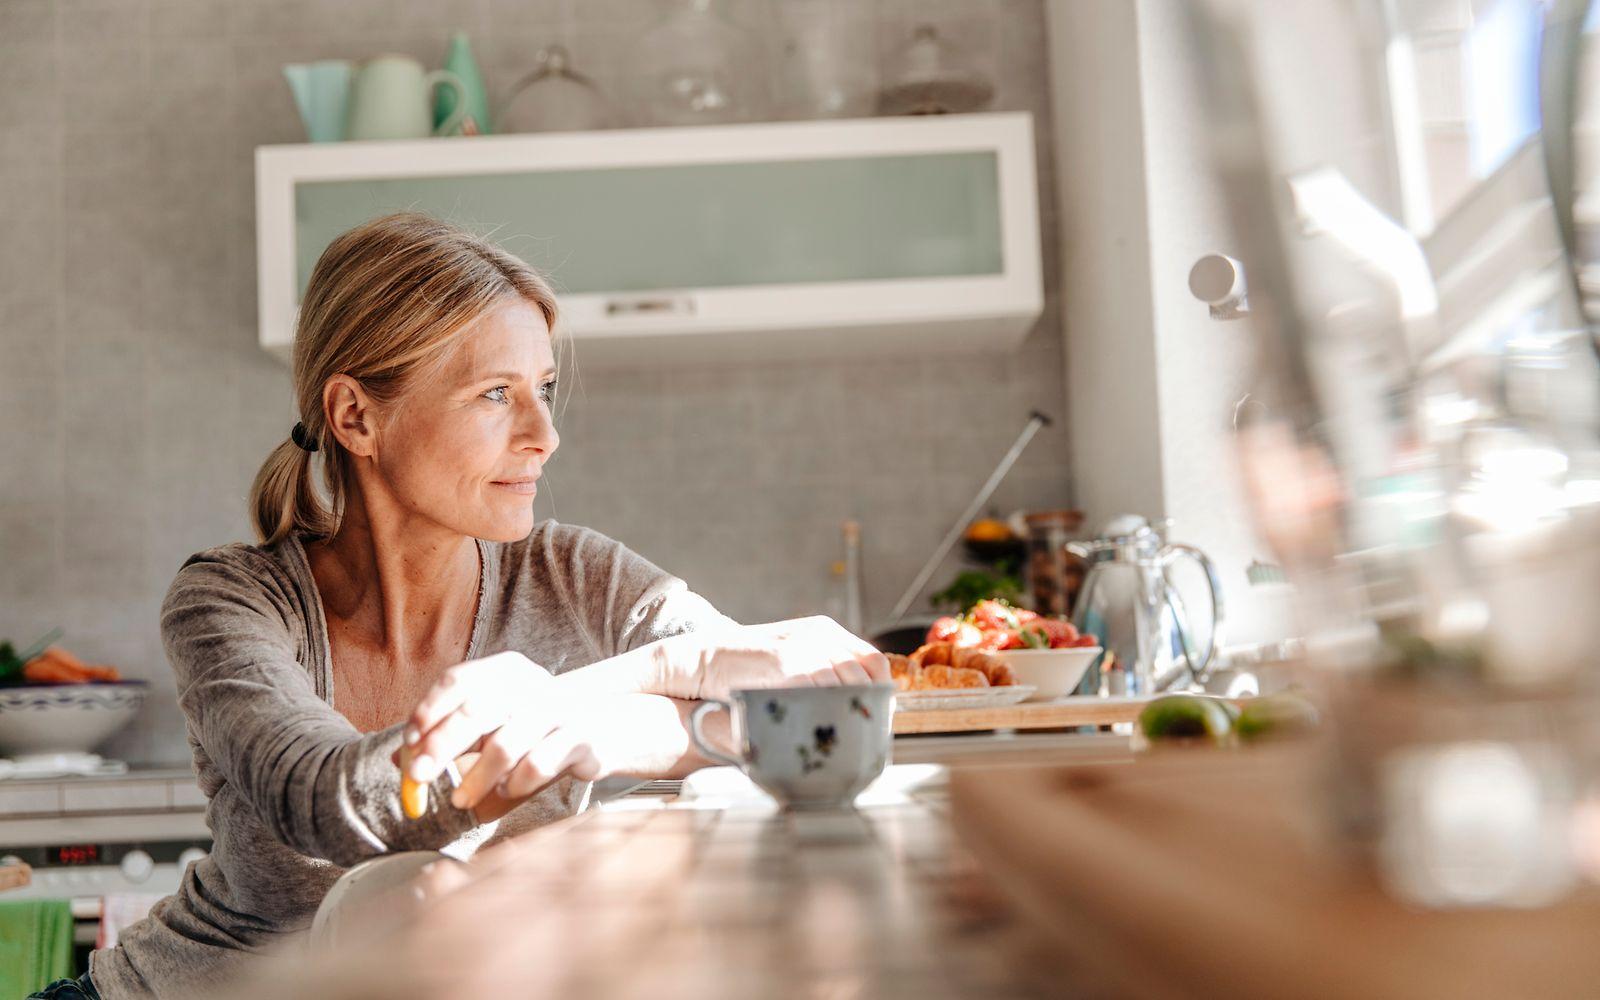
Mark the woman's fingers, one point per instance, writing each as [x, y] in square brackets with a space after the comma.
[876, 666]
[495, 680]
[501, 751]
[468, 702]
[851, 672]
[493, 761]
[451, 738]
[854, 659]
[563, 751]
[452, 690]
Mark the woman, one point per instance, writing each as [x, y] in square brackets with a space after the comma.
[413, 600]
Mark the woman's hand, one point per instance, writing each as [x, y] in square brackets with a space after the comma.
[802, 652]
[472, 701]
[529, 728]
[599, 737]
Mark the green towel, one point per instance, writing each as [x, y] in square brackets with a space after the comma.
[35, 945]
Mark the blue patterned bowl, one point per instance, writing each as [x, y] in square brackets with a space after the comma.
[65, 718]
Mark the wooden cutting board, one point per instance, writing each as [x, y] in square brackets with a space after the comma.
[1061, 713]
[1213, 874]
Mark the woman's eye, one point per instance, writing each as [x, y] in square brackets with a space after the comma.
[547, 392]
[498, 394]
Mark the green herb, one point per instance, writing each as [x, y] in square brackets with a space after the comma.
[1035, 638]
[972, 585]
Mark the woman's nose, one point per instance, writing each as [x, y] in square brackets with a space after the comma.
[539, 429]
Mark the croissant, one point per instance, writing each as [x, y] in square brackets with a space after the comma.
[932, 654]
[944, 677]
[903, 671]
[995, 669]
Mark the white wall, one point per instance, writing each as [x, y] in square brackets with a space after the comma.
[1153, 379]
[1105, 288]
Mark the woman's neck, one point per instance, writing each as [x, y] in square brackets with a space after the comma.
[403, 587]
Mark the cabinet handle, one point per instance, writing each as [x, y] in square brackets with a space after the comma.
[673, 305]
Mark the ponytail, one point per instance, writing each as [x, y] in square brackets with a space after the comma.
[284, 497]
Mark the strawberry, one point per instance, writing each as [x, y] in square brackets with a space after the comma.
[1060, 633]
[943, 630]
[1008, 638]
[990, 615]
[968, 637]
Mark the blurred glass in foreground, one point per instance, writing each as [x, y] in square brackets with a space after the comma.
[1425, 460]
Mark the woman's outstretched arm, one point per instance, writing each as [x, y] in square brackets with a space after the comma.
[319, 785]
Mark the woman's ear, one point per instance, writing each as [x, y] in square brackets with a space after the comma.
[350, 414]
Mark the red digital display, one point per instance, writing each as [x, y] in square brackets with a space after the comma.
[78, 854]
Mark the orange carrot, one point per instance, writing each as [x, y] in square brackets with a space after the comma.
[46, 670]
[65, 657]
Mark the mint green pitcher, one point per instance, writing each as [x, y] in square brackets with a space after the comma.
[322, 95]
[391, 97]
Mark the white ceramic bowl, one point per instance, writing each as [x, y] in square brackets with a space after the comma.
[40, 719]
[1054, 672]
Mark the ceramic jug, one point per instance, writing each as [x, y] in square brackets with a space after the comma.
[391, 97]
[322, 94]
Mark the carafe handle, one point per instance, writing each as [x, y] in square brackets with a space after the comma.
[1172, 553]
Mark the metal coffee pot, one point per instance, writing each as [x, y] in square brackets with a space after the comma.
[1128, 600]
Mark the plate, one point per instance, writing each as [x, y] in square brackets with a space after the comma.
[996, 697]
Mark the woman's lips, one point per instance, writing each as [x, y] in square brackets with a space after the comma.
[526, 487]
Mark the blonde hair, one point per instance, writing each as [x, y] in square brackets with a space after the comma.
[384, 304]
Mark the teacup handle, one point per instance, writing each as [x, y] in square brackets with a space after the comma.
[702, 710]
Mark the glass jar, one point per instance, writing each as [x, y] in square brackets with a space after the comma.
[1053, 573]
[556, 98]
[701, 66]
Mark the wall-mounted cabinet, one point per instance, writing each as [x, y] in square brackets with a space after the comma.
[881, 236]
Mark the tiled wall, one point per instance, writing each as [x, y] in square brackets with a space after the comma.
[135, 406]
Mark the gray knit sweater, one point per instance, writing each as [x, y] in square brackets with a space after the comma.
[296, 792]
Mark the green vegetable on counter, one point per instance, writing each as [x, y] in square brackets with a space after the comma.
[1187, 716]
[1280, 714]
[1204, 717]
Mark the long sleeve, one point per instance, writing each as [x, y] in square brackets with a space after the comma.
[317, 784]
[620, 599]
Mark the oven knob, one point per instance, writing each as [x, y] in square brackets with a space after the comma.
[137, 865]
[191, 855]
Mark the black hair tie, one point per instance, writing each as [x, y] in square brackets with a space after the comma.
[301, 438]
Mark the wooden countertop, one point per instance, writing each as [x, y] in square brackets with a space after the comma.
[704, 900]
[1182, 875]
[1060, 713]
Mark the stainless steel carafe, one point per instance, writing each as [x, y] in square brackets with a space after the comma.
[1129, 602]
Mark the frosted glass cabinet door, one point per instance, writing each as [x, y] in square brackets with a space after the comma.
[882, 237]
[701, 225]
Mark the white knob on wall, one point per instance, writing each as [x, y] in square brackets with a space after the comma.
[1218, 280]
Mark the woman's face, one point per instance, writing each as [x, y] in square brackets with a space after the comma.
[465, 447]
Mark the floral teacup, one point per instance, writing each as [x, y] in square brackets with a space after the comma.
[807, 747]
